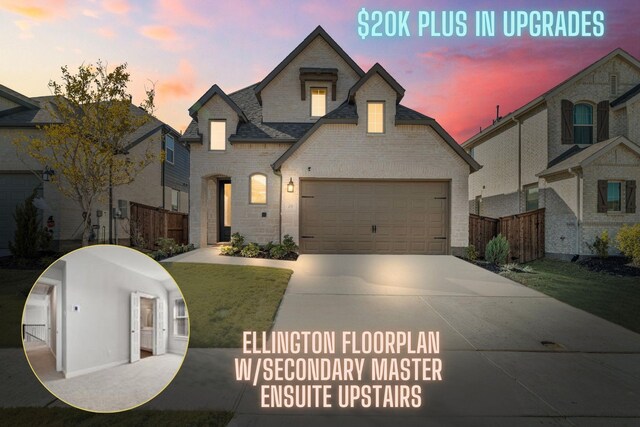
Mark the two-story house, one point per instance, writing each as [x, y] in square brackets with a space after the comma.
[160, 184]
[326, 153]
[573, 150]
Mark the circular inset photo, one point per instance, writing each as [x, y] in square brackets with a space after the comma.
[105, 328]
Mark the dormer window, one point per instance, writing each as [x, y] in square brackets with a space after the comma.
[318, 101]
[375, 117]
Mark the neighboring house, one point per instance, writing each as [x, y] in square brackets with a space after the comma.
[573, 151]
[160, 184]
[325, 152]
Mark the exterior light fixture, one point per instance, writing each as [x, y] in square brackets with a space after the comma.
[290, 185]
[47, 174]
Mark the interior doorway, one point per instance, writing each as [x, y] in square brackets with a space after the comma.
[224, 210]
[148, 326]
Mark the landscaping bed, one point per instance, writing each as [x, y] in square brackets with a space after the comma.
[616, 265]
[286, 251]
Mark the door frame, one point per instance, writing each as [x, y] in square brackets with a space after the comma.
[136, 331]
[221, 228]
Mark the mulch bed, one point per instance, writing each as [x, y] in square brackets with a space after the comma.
[289, 257]
[616, 265]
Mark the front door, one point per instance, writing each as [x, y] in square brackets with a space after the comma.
[224, 210]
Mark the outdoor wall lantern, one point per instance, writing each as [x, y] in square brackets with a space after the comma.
[290, 185]
[47, 174]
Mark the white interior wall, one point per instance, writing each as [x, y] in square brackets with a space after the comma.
[98, 333]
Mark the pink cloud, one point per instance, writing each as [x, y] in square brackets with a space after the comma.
[474, 79]
[36, 10]
[179, 85]
[119, 7]
[106, 32]
[159, 32]
[177, 11]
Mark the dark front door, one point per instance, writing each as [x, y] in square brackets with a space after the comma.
[224, 210]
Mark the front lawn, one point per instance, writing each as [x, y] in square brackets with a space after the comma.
[70, 416]
[225, 300]
[14, 288]
[613, 298]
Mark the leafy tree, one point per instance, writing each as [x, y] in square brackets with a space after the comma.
[88, 146]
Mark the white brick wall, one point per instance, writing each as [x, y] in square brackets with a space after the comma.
[408, 152]
[281, 99]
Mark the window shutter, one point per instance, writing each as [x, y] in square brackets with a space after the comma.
[603, 120]
[567, 121]
[602, 196]
[630, 197]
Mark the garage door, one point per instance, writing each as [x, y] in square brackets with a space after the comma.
[362, 217]
[14, 188]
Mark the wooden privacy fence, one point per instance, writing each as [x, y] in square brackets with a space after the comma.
[153, 223]
[525, 233]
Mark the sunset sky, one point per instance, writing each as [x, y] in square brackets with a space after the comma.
[186, 46]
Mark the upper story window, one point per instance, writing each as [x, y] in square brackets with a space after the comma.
[582, 124]
[258, 189]
[169, 148]
[318, 101]
[217, 134]
[613, 84]
[375, 117]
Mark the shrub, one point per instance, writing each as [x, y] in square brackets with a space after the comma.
[252, 250]
[278, 252]
[628, 242]
[267, 248]
[471, 253]
[497, 250]
[600, 246]
[166, 244]
[228, 250]
[29, 237]
[288, 244]
[237, 241]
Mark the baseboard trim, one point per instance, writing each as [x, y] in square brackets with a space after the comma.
[95, 368]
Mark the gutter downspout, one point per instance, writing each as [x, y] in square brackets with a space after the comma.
[278, 173]
[577, 175]
[519, 163]
[162, 165]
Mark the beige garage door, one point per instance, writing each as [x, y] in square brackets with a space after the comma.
[386, 217]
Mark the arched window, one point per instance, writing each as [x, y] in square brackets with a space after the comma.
[258, 188]
[582, 124]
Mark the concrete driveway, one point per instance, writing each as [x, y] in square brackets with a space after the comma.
[497, 368]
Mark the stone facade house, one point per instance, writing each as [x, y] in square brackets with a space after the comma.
[160, 184]
[574, 151]
[326, 153]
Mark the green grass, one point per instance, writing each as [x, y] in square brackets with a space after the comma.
[14, 288]
[613, 298]
[225, 300]
[69, 416]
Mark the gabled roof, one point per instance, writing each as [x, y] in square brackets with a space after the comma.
[543, 98]
[347, 114]
[18, 98]
[29, 117]
[626, 96]
[587, 155]
[318, 32]
[215, 90]
[379, 70]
